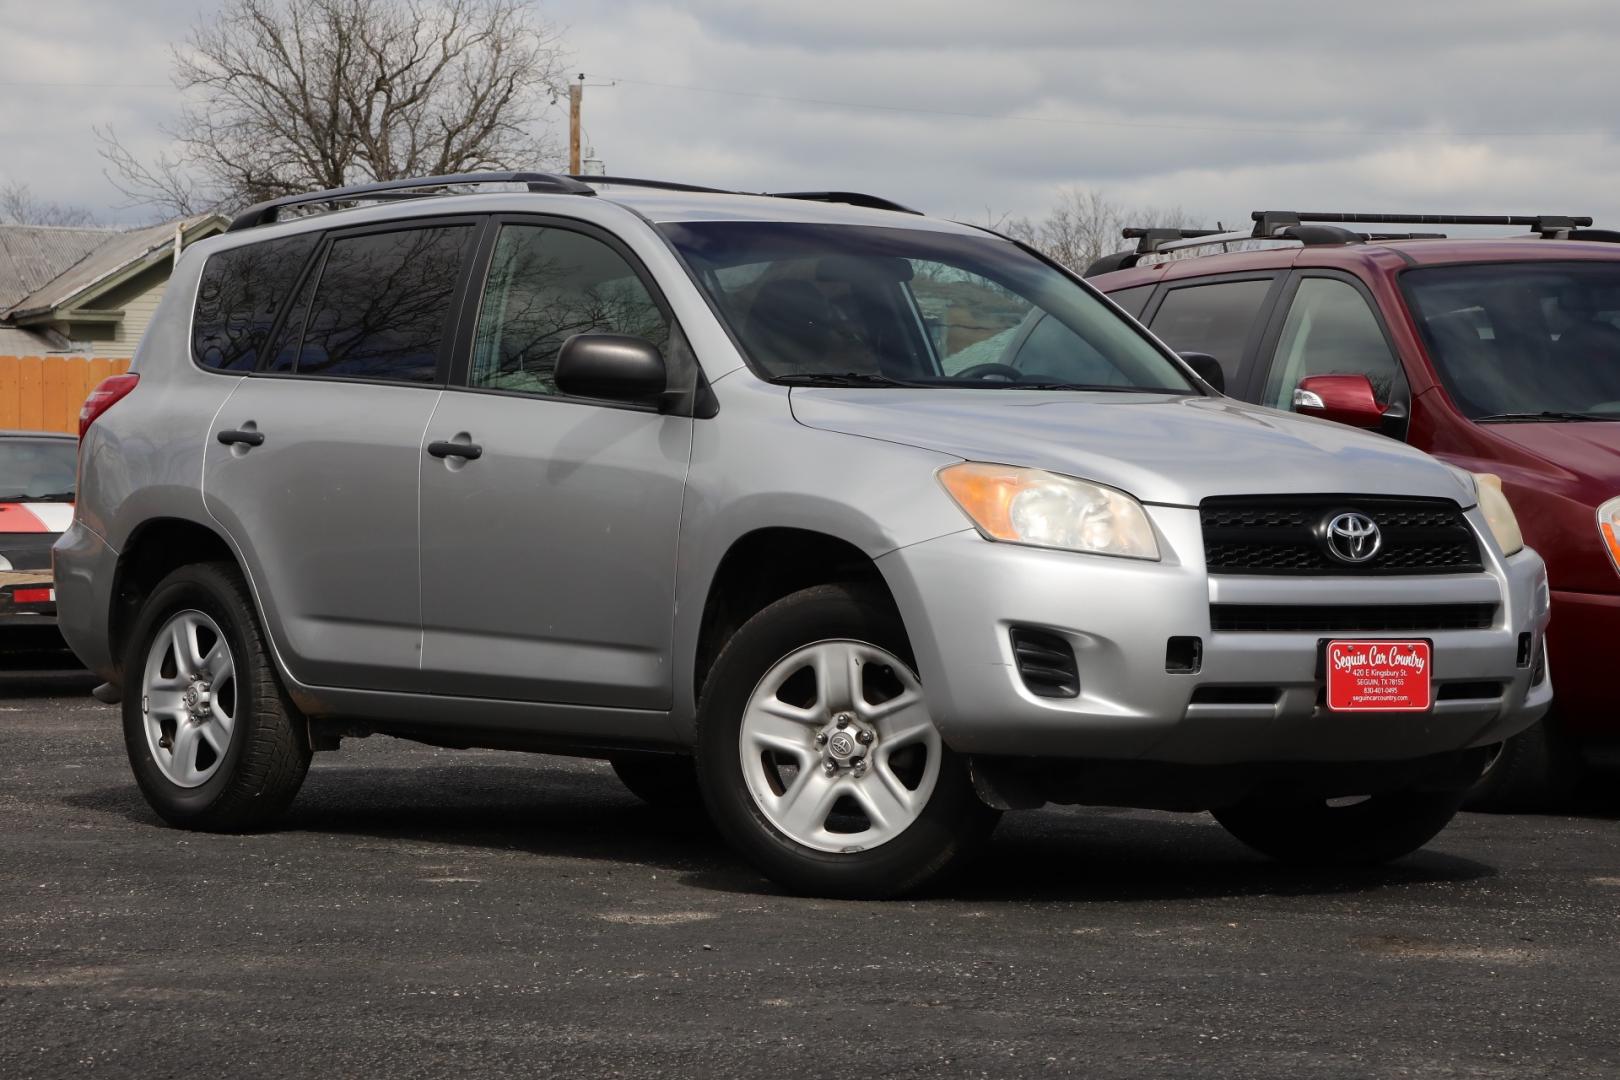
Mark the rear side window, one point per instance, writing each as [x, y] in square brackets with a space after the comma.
[1215, 319]
[241, 293]
[1133, 300]
[381, 307]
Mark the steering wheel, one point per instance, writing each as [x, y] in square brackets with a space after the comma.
[981, 371]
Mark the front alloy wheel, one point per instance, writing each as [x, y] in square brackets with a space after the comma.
[818, 759]
[837, 748]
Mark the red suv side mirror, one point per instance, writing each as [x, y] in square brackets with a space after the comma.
[1344, 399]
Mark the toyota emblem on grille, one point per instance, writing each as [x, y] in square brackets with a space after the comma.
[1353, 538]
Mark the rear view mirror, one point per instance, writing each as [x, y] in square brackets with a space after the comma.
[1344, 399]
[617, 367]
[1206, 367]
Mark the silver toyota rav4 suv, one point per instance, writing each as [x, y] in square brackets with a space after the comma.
[859, 525]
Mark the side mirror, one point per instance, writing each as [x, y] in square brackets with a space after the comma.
[1345, 399]
[1206, 367]
[617, 367]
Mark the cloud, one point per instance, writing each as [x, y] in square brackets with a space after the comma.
[1218, 108]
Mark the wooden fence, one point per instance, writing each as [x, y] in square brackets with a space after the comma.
[43, 393]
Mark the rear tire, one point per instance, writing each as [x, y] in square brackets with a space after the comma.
[871, 808]
[1376, 830]
[1532, 769]
[666, 781]
[214, 742]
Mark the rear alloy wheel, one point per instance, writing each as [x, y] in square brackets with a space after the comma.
[212, 739]
[1342, 832]
[818, 758]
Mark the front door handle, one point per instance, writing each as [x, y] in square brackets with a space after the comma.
[239, 435]
[444, 448]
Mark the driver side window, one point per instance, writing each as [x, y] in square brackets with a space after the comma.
[1330, 330]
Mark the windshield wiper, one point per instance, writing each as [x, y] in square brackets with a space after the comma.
[1090, 387]
[838, 378]
[1533, 417]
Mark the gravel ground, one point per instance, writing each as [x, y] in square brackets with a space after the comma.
[425, 912]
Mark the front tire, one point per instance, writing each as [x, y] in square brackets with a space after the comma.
[1375, 830]
[1533, 769]
[817, 757]
[213, 741]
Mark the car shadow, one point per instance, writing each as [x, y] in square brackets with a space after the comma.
[1089, 854]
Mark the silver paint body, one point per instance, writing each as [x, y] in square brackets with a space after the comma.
[556, 585]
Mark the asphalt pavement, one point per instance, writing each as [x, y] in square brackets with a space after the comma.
[428, 913]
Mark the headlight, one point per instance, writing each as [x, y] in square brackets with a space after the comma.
[1609, 526]
[1498, 514]
[1042, 509]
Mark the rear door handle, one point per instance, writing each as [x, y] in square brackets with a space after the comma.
[238, 435]
[444, 448]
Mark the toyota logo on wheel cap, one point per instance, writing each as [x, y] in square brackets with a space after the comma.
[1353, 538]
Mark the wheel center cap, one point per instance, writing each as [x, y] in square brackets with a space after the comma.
[841, 745]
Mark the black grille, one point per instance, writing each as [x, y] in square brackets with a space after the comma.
[1046, 663]
[28, 551]
[1352, 618]
[1283, 535]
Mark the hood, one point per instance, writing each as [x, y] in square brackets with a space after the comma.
[1585, 449]
[1161, 448]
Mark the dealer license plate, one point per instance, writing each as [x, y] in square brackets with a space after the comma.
[1379, 676]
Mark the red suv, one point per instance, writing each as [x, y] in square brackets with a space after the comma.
[1498, 355]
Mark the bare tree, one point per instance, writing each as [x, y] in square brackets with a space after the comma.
[290, 95]
[1085, 225]
[18, 206]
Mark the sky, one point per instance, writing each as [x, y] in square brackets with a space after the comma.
[979, 110]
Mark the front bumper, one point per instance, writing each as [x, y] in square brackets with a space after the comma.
[1257, 694]
[1584, 630]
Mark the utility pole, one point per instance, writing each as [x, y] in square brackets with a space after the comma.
[576, 90]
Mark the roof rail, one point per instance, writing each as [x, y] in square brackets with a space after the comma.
[270, 211]
[1267, 222]
[850, 198]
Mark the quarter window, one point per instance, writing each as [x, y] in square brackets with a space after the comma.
[239, 296]
[546, 285]
[1330, 330]
[382, 305]
[1215, 319]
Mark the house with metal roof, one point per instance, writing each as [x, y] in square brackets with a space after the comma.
[86, 291]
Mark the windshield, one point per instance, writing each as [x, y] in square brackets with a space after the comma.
[856, 305]
[1524, 341]
[37, 469]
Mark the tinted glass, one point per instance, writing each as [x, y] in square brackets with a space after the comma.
[546, 285]
[1214, 319]
[1516, 340]
[40, 469]
[916, 307]
[240, 293]
[382, 305]
[1331, 330]
[1133, 300]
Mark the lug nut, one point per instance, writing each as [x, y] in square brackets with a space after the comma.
[864, 738]
[830, 768]
[843, 721]
[821, 738]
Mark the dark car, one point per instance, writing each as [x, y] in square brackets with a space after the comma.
[36, 507]
[1499, 355]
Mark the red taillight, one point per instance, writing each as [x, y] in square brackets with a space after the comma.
[33, 596]
[104, 397]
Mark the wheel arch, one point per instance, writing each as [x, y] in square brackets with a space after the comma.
[761, 567]
[155, 549]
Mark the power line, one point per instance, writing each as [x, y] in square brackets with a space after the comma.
[1074, 122]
